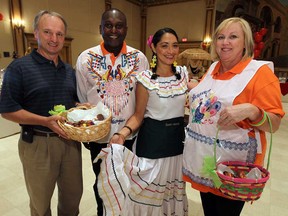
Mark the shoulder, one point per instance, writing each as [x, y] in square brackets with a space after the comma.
[144, 77]
[265, 82]
[131, 49]
[90, 51]
[265, 70]
[267, 65]
[134, 50]
[21, 60]
[68, 67]
[19, 63]
[145, 73]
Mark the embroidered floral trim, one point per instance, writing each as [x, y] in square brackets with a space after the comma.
[226, 145]
[198, 179]
[165, 88]
[114, 84]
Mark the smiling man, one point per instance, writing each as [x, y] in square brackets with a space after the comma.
[106, 73]
[32, 86]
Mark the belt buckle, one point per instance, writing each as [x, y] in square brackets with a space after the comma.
[44, 134]
[47, 135]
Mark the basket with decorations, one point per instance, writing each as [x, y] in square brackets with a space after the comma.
[243, 181]
[236, 179]
[84, 124]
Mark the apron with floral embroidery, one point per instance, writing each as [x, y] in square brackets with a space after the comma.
[207, 100]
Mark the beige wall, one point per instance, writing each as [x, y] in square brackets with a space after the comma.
[84, 16]
[6, 39]
[187, 19]
[133, 15]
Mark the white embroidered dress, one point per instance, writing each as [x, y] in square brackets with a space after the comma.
[131, 185]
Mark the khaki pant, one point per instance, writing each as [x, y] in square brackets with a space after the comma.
[49, 161]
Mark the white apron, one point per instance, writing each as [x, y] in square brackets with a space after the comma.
[207, 100]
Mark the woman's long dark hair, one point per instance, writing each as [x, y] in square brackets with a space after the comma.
[156, 38]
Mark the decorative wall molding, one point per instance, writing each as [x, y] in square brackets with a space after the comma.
[150, 3]
[17, 28]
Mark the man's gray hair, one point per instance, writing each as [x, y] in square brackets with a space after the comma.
[51, 13]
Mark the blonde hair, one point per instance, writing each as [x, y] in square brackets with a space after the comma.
[248, 51]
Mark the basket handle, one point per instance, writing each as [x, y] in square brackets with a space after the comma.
[270, 147]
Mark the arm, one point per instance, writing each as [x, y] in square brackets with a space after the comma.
[81, 81]
[136, 119]
[261, 93]
[233, 114]
[24, 117]
[192, 84]
[275, 122]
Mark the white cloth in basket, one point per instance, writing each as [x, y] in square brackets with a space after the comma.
[89, 114]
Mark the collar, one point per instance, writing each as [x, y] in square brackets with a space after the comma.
[42, 60]
[112, 57]
[105, 52]
[237, 69]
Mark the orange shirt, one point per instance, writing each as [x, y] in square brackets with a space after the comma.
[263, 91]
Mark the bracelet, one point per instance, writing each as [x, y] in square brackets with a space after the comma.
[258, 119]
[129, 128]
[261, 121]
[120, 135]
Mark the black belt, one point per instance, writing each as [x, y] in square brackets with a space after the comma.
[45, 134]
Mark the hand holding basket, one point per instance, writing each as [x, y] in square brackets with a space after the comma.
[235, 187]
[86, 133]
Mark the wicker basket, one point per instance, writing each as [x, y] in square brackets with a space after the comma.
[86, 134]
[242, 188]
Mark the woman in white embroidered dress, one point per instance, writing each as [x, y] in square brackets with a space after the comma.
[233, 96]
[160, 100]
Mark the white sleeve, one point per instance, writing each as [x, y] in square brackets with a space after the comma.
[144, 65]
[81, 80]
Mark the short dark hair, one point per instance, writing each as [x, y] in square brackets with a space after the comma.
[106, 13]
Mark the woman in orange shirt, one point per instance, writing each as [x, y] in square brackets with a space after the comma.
[234, 96]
